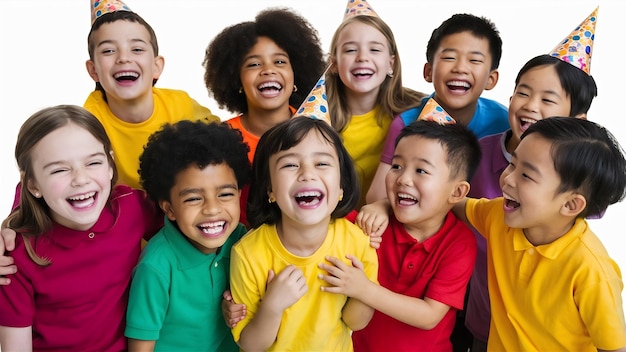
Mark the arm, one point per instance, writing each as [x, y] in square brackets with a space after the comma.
[421, 313]
[233, 312]
[16, 339]
[7, 266]
[377, 189]
[283, 290]
[374, 218]
[140, 345]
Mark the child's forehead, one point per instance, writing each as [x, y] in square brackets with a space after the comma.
[122, 27]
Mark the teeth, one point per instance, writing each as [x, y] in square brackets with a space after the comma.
[126, 74]
[212, 227]
[362, 72]
[83, 196]
[406, 196]
[527, 120]
[275, 85]
[459, 84]
[309, 194]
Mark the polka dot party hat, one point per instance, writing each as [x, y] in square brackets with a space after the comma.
[358, 7]
[576, 48]
[101, 7]
[432, 111]
[316, 103]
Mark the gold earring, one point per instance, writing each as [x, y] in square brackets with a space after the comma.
[271, 199]
[340, 197]
[295, 88]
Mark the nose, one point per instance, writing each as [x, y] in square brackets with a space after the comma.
[404, 178]
[361, 56]
[460, 66]
[268, 70]
[211, 207]
[306, 173]
[531, 105]
[123, 57]
[80, 177]
[506, 178]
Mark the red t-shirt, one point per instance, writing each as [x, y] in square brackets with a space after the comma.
[438, 268]
[78, 302]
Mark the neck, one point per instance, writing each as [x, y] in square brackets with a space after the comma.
[361, 103]
[134, 111]
[463, 115]
[541, 235]
[258, 121]
[302, 240]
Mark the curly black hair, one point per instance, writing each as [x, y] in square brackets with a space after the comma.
[176, 146]
[290, 31]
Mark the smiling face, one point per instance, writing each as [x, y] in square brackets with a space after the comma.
[306, 180]
[267, 76]
[124, 61]
[419, 186]
[538, 95]
[362, 58]
[72, 174]
[460, 71]
[530, 187]
[205, 205]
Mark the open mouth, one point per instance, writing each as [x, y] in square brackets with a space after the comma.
[511, 204]
[363, 73]
[212, 228]
[406, 199]
[126, 76]
[82, 200]
[309, 198]
[458, 86]
[270, 87]
[525, 123]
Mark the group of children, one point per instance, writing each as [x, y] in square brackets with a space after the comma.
[254, 240]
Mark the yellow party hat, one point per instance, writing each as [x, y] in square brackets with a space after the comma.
[316, 103]
[101, 7]
[432, 111]
[358, 7]
[576, 48]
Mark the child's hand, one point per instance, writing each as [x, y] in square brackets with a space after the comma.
[233, 312]
[342, 278]
[373, 220]
[7, 266]
[286, 288]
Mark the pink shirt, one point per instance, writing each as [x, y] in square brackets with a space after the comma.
[438, 268]
[78, 302]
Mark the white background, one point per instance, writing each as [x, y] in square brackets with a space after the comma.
[43, 48]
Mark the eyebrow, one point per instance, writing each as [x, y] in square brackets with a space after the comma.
[250, 57]
[369, 42]
[299, 155]
[398, 156]
[111, 41]
[549, 91]
[187, 191]
[56, 162]
[446, 50]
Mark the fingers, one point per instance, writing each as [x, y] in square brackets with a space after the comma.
[8, 240]
[227, 295]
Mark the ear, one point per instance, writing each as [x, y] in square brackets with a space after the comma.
[428, 73]
[33, 189]
[91, 69]
[167, 209]
[582, 116]
[574, 205]
[392, 60]
[460, 190]
[159, 64]
[492, 80]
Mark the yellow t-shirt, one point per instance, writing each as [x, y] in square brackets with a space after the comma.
[314, 322]
[128, 139]
[562, 296]
[364, 139]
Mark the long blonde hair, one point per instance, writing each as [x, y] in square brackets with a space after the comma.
[393, 98]
[32, 217]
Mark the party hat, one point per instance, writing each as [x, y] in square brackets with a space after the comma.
[316, 103]
[576, 48]
[434, 112]
[358, 7]
[101, 7]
